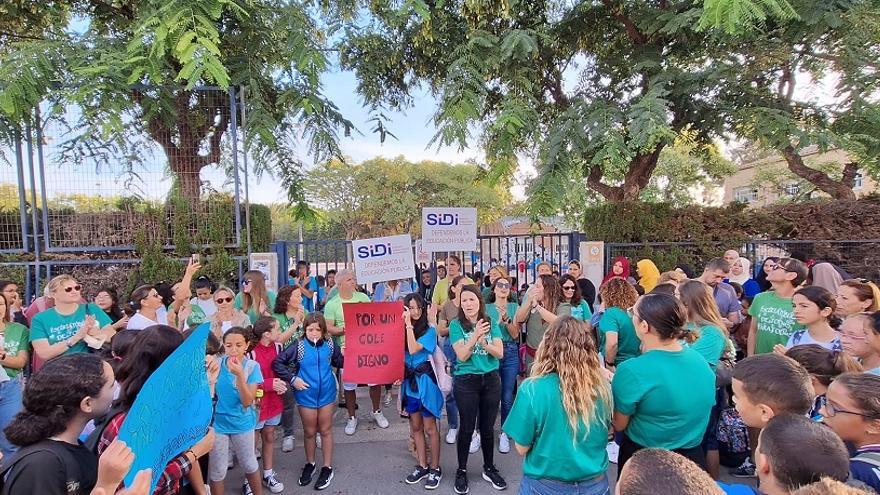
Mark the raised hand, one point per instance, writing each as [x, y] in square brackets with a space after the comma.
[114, 464]
[235, 367]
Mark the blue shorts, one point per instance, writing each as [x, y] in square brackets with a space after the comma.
[274, 421]
[414, 405]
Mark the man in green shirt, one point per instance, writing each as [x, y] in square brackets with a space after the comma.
[441, 288]
[772, 314]
[335, 317]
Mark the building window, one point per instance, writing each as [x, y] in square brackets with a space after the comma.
[745, 194]
[857, 180]
[792, 189]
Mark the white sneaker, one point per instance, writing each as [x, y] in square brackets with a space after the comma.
[475, 443]
[381, 420]
[272, 483]
[318, 441]
[351, 425]
[503, 443]
[452, 436]
[287, 443]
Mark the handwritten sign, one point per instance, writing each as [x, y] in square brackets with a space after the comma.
[173, 410]
[449, 229]
[374, 336]
[383, 258]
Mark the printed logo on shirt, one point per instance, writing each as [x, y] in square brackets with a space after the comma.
[778, 321]
[63, 331]
[479, 350]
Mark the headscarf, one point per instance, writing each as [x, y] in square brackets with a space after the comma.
[624, 263]
[827, 277]
[746, 274]
[649, 275]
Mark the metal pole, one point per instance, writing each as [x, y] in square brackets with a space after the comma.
[244, 163]
[235, 165]
[30, 148]
[22, 194]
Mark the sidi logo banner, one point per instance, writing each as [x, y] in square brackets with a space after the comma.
[449, 229]
[381, 259]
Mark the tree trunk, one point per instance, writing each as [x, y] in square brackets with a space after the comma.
[187, 171]
[641, 167]
[841, 190]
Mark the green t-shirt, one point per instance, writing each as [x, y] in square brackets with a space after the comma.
[582, 312]
[710, 344]
[15, 340]
[492, 311]
[668, 396]
[616, 320]
[775, 321]
[480, 362]
[334, 315]
[284, 325]
[54, 327]
[253, 312]
[487, 291]
[196, 316]
[536, 326]
[538, 421]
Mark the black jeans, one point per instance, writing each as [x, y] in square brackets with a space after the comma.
[477, 395]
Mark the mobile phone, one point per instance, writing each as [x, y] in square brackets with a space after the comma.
[196, 258]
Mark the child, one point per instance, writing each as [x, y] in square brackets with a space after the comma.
[766, 385]
[312, 359]
[771, 311]
[267, 348]
[823, 366]
[814, 308]
[852, 410]
[651, 471]
[235, 416]
[871, 358]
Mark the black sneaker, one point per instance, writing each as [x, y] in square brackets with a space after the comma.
[461, 482]
[418, 474]
[746, 470]
[308, 473]
[490, 474]
[434, 477]
[324, 478]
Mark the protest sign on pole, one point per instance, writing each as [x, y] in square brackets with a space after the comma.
[374, 334]
[173, 410]
[381, 259]
[449, 229]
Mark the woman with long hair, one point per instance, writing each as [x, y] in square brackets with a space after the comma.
[663, 397]
[290, 314]
[448, 313]
[13, 358]
[16, 311]
[617, 336]
[255, 299]
[227, 315]
[502, 311]
[588, 290]
[108, 300]
[767, 266]
[814, 307]
[857, 296]
[571, 293]
[542, 305]
[563, 441]
[420, 396]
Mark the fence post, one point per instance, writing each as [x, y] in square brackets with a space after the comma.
[574, 246]
[280, 249]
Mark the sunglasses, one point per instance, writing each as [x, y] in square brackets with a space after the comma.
[502, 285]
[72, 288]
[222, 300]
[567, 287]
[246, 282]
[779, 267]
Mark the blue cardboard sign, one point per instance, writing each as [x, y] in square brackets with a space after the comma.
[173, 410]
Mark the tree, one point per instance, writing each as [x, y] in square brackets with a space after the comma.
[595, 89]
[132, 74]
[386, 196]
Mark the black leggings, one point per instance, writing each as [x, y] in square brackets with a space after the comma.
[628, 448]
[477, 395]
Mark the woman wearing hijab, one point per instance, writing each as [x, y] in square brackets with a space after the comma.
[740, 272]
[619, 269]
[649, 275]
[825, 275]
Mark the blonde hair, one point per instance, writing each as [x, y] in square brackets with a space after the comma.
[697, 298]
[569, 351]
[671, 276]
[865, 289]
[54, 284]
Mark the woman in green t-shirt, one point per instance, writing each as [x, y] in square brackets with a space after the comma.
[255, 299]
[617, 336]
[563, 441]
[13, 358]
[502, 311]
[290, 313]
[662, 398]
[478, 346]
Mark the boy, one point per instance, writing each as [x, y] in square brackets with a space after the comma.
[772, 313]
[653, 471]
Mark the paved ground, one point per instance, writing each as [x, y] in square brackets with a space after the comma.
[375, 461]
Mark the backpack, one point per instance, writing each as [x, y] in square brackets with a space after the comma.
[101, 424]
[72, 470]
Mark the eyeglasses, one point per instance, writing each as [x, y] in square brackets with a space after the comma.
[831, 410]
[246, 282]
[72, 288]
[779, 267]
[568, 287]
[502, 285]
[221, 300]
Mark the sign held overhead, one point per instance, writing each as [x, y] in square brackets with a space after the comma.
[449, 229]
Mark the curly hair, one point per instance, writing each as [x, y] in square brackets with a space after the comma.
[53, 395]
[569, 351]
[282, 299]
[618, 293]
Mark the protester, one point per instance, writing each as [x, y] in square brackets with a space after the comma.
[255, 299]
[542, 305]
[146, 301]
[772, 314]
[64, 328]
[656, 471]
[828, 486]
[447, 314]
[426, 285]
[652, 406]
[619, 269]
[227, 315]
[571, 293]
[308, 365]
[559, 422]
[704, 321]
[871, 329]
[543, 268]
[856, 296]
[235, 416]
[730, 256]
[265, 350]
[308, 284]
[420, 396]
[618, 341]
[824, 366]
[852, 410]
[814, 308]
[741, 273]
[290, 313]
[149, 350]
[684, 269]
[725, 296]
[14, 358]
[204, 299]
[588, 290]
[854, 334]
[184, 314]
[108, 300]
[329, 290]
[648, 274]
[441, 288]
[9, 290]
[761, 275]
[673, 278]
[825, 275]
[478, 346]
[501, 312]
[336, 326]
[393, 290]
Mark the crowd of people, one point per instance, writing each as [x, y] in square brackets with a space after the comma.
[669, 374]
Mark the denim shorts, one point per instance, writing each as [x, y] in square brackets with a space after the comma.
[274, 421]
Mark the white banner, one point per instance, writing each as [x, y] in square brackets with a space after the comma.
[423, 256]
[268, 264]
[449, 229]
[381, 259]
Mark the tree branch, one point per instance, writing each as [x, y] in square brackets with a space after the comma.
[836, 189]
[636, 36]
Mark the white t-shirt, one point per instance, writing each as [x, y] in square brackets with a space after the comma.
[140, 322]
[208, 306]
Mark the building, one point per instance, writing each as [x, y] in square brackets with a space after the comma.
[767, 180]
